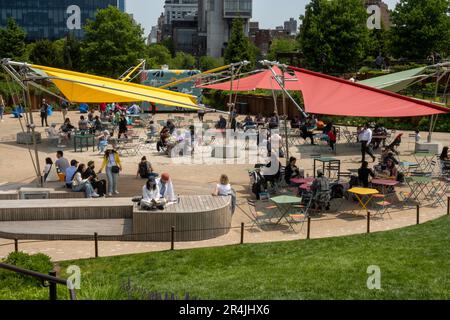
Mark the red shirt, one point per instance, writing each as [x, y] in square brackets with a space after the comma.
[332, 136]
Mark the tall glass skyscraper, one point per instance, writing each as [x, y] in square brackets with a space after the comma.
[53, 19]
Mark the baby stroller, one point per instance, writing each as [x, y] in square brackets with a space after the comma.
[395, 144]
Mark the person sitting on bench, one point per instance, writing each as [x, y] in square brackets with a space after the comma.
[151, 196]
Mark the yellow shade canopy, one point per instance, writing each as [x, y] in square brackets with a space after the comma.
[86, 88]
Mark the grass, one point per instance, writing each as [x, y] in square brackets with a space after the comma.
[414, 264]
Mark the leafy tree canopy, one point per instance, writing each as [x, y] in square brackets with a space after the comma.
[12, 41]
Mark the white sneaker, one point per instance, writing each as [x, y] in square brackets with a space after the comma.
[116, 192]
[95, 195]
[110, 194]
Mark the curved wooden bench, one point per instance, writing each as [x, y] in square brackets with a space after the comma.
[195, 218]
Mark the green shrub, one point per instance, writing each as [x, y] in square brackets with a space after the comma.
[38, 262]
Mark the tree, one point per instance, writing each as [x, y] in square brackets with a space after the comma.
[157, 55]
[182, 60]
[71, 53]
[421, 27]
[12, 41]
[207, 63]
[47, 53]
[239, 46]
[282, 46]
[333, 35]
[113, 43]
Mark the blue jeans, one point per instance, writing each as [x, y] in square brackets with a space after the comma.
[112, 180]
[2, 110]
[86, 187]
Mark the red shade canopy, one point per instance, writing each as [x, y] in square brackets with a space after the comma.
[324, 94]
[329, 95]
[262, 80]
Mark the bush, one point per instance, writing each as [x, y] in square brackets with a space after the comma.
[38, 262]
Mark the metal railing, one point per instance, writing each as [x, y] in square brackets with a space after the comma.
[50, 280]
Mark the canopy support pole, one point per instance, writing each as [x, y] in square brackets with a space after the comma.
[436, 91]
[283, 81]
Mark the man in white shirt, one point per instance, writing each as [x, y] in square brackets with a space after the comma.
[166, 188]
[365, 137]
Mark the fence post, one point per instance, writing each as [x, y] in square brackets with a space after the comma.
[242, 232]
[52, 287]
[16, 245]
[368, 222]
[308, 229]
[448, 206]
[96, 244]
[418, 214]
[172, 238]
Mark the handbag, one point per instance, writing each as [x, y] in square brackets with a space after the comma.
[115, 169]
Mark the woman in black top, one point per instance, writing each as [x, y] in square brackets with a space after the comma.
[363, 174]
[291, 171]
[97, 184]
[123, 127]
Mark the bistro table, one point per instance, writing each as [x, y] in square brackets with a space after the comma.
[385, 184]
[300, 181]
[81, 140]
[419, 186]
[285, 205]
[328, 165]
[364, 196]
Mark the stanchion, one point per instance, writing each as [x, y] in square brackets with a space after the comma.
[308, 229]
[242, 232]
[96, 244]
[448, 206]
[16, 245]
[172, 238]
[368, 222]
[418, 214]
[52, 287]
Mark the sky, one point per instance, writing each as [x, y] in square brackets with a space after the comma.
[269, 13]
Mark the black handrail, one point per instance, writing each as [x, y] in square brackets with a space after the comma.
[52, 280]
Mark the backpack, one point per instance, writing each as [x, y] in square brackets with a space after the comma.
[337, 191]
[143, 170]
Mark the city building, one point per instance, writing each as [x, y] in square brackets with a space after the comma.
[291, 26]
[153, 36]
[215, 18]
[178, 10]
[52, 19]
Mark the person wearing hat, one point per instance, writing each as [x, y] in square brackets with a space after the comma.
[166, 188]
[70, 173]
[103, 141]
[97, 184]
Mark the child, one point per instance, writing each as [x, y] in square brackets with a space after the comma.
[332, 139]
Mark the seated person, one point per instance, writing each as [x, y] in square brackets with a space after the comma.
[134, 109]
[291, 171]
[171, 126]
[363, 174]
[378, 132]
[387, 155]
[305, 134]
[97, 184]
[103, 141]
[70, 173]
[91, 115]
[259, 119]
[151, 196]
[145, 169]
[274, 121]
[445, 161]
[96, 125]
[163, 138]
[390, 172]
[272, 171]
[321, 191]
[50, 173]
[166, 188]
[223, 188]
[295, 123]
[83, 124]
[67, 129]
[222, 123]
[54, 133]
[79, 184]
[151, 129]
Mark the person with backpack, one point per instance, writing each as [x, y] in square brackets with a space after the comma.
[145, 169]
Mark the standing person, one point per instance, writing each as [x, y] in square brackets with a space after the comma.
[64, 108]
[417, 136]
[2, 107]
[97, 184]
[111, 162]
[44, 112]
[365, 138]
[201, 113]
[61, 163]
[123, 127]
[332, 138]
[79, 184]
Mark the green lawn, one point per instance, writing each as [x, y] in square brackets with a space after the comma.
[414, 262]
